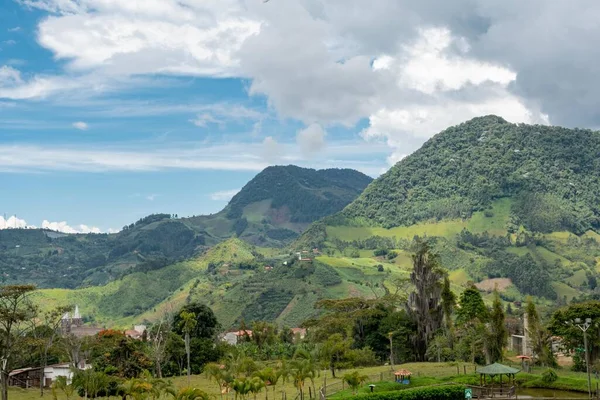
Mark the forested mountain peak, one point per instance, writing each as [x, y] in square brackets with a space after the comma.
[307, 194]
[552, 173]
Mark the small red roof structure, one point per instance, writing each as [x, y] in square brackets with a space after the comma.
[403, 372]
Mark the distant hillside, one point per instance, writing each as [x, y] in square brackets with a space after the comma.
[271, 210]
[237, 280]
[552, 173]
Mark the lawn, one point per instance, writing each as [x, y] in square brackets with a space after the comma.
[424, 374]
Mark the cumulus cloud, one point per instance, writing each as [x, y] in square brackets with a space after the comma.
[271, 150]
[12, 222]
[311, 139]
[82, 126]
[410, 68]
[16, 223]
[223, 194]
[65, 228]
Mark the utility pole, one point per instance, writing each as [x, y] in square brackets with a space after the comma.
[584, 326]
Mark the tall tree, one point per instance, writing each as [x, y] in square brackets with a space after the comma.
[51, 325]
[188, 324]
[424, 303]
[470, 320]
[448, 305]
[472, 307]
[15, 310]
[540, 337]
[497, 331]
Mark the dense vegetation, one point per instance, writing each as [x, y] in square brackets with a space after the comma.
[307, 194]
[553, 171]
[296, 195]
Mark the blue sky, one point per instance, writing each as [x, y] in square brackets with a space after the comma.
[113, 110]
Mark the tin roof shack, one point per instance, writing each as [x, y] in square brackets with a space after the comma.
[30, 377]
[25, 377]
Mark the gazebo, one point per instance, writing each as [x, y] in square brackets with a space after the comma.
[496, 369]
[403, 376]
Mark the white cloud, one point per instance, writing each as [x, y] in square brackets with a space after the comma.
[202, 120]
[161, 36]
[9, 42]
[16, 223]
[12, 222]
[151, 197]
[65, 228]
[14, 29]
[311, 139]
[223, 194]
[430, 71]
[82, 126]
[140, 157]
[272, 150]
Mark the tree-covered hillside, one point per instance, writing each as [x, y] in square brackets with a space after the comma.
[552, 173]
[306, 194]
[271, 210]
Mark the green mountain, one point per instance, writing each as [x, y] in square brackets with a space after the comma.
[506, 206]
[271, 210]
[514, 205]
[552, 173]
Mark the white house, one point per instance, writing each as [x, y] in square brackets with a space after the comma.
[51, 372]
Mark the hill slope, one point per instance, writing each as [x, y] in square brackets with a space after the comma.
[271, 210]
[466, 167]
[497, 199]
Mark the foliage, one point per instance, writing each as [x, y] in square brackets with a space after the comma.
[205, 325]
[497, 159]
[307, 194]
[498, 333]
[424, 304]
[354, 380]
[445, 392]
[549, 376]
[471, 307]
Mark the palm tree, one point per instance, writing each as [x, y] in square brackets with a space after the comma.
[354, 380]
[216, 372]
[90, 381]
[303, 367]
[188, 394]
[188, 323]
[269, 376]
[256, 384]
[61, 384]
[242, 387]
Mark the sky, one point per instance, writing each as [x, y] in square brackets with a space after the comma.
[112, 110]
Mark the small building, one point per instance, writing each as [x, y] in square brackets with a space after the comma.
[137, 332]
[30, 377]
[233, 338]
[299, 333]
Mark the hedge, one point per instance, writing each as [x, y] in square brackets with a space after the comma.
[445, 392]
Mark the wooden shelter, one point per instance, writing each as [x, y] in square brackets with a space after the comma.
[496, 369]
[403, 376]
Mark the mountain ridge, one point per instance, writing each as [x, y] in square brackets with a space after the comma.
[158, 240]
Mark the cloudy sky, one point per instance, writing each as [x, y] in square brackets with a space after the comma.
[111, 110]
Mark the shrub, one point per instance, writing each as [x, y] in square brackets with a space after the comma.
[450, 392]
[549, 376]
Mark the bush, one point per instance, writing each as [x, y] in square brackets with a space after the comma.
[549, 376]
[450, 392]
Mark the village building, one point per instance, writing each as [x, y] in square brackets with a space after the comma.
[73, 325]
[233, 338]
[30, 377]
[137, 332]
